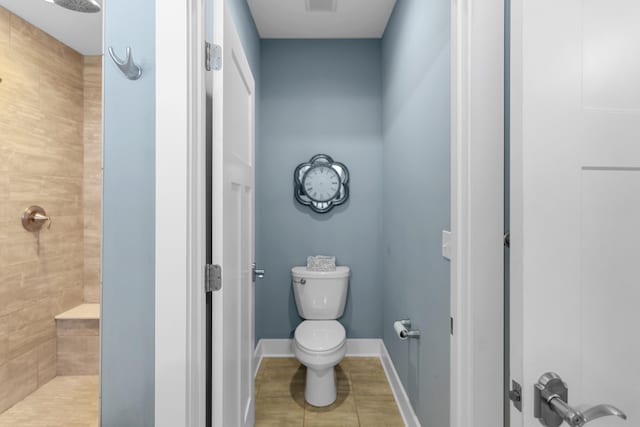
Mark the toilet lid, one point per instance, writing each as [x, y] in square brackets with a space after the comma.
[320, 335]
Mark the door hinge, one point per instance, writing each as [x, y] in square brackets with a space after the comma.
[515, 395]
[451, 325]
[507, 240]
[212, 278]
[212, 56]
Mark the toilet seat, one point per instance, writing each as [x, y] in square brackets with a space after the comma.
[320, 336]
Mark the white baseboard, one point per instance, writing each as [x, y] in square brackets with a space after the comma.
[356, 347]
[402, 400]
[257, 358]
[276, 348]
[363, 347]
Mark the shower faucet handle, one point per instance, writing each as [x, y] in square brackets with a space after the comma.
[34, 217]
[40, 217]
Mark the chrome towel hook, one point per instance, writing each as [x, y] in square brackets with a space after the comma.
[130, 69]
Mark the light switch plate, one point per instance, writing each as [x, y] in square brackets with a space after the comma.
[446, 244]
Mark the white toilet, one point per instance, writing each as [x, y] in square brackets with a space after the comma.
[320, 341]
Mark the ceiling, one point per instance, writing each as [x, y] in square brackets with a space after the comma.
[321, 19]
[80, 31]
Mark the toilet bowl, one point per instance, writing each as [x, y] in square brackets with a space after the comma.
[320, 345]
[320, 341]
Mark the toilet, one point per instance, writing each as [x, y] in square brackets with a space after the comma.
[320, 340]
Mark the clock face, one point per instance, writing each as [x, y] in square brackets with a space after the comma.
[321, 183]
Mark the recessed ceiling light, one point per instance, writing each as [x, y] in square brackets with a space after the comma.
[49, 1]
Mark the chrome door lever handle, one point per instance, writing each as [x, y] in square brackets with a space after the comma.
[603, 410]
[551, 408]
[572, 417]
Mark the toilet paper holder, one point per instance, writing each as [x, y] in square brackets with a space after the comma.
[404, 331]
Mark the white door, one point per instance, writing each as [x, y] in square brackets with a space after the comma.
[575, 203]
[233, 228]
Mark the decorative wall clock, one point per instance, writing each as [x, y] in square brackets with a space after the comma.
[321, 183]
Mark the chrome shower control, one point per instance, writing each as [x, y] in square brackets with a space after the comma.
[34, 217]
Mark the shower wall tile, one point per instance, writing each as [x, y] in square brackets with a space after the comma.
[47, 361]
[92, 179]
[11, 295]
[5, 28]
[78, 327]
[41, 163]
[78, 346]
[26, 337]
[78, 355]
[19, 378]
[4, 341]
[38, 49]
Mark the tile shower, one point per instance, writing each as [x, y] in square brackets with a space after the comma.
[50, 155]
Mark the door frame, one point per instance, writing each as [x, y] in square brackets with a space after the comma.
[180, 214]
[477, 216]
[477, 162]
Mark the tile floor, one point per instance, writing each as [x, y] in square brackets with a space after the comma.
[66, 401]
[364, 399]
[364, 396]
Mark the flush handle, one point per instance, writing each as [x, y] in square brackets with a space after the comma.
[258, 273]
[551, 407]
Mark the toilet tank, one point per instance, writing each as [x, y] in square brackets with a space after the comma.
[320, 295]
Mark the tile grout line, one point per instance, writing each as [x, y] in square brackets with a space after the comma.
[355, 399]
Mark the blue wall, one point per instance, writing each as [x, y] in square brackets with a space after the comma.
[248, 33]
[128, 254]
[415, 63]
[128, 246]
[319, 96]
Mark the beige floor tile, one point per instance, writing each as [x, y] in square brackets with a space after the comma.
[378, 412]
[343, 382]
[367, 385]
[370, 365]
[62, 402]
[368, 377]
[280, 396]
[276, 412]
[283, 380]
[342, 413]
[278, 362]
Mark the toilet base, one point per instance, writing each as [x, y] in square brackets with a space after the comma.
[320, 389]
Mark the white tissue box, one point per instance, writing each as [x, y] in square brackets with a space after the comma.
[321, 263]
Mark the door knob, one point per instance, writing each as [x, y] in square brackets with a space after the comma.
[257, 272]
[550, 405]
